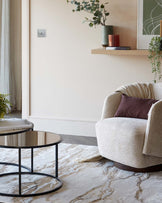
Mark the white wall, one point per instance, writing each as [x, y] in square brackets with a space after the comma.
[68, 83]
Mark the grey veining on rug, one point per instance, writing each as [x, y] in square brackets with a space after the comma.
[86, 182]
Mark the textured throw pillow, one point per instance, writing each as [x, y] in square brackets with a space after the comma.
[134, 107]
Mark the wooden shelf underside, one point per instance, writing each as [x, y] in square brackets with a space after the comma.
[120, 52]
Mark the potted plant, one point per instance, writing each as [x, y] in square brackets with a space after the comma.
[99, 15]
[4, 105]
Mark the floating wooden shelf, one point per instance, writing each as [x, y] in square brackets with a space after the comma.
[120, 52]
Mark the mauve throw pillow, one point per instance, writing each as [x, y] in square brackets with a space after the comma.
[134, 107]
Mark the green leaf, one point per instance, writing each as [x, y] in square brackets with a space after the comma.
[102, 6]
[97, 9]
[90, 24]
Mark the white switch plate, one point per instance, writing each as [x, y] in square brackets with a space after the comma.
[41, 33]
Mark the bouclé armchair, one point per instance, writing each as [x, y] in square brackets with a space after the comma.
[133, 143]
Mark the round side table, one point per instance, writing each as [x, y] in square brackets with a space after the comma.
[30, 140]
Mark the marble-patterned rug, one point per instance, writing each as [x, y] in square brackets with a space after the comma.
[83, 181]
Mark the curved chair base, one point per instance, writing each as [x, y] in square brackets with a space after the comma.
[147, 169]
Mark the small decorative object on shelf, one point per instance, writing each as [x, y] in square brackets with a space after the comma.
[118, 48]
[106, 31]
[99, 16]
[114, 40]
[4, 105]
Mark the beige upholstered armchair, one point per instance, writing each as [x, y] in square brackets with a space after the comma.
[132, 142]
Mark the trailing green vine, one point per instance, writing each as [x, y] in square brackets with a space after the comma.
[94, 7]
[154, 57]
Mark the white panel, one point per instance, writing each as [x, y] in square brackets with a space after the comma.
[25, 58]
[67, 127]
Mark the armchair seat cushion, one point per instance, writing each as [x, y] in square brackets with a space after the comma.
[122, 140]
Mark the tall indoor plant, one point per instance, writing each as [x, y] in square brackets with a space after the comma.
[4, 105]
[99, 15]
[155, 56]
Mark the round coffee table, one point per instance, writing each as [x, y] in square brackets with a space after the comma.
[30, 140]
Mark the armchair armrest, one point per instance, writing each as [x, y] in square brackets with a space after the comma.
[111, 104]
[153, 135]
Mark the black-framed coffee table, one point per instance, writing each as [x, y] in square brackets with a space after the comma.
[30, 140]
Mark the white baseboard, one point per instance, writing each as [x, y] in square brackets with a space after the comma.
[67, 127]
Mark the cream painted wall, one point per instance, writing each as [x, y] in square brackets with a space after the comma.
[67, 81]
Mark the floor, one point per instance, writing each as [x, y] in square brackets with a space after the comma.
[72, 139]
[84, 180]
[91, 181]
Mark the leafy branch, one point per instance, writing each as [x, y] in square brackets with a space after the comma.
[94, 7]
[4, 105]
[154, 57]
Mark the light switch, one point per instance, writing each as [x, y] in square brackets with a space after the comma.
[41, 33]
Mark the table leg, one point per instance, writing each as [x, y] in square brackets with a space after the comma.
[32, 160]
[56, 161]
[19, 171]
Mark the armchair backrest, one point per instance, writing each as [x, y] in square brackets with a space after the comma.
[140, 90]
[157, 88]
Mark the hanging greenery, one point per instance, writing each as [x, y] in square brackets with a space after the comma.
[4, 105]
[97, 9]
[155, 57]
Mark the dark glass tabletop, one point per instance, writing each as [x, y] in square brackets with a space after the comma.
[29, 139]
